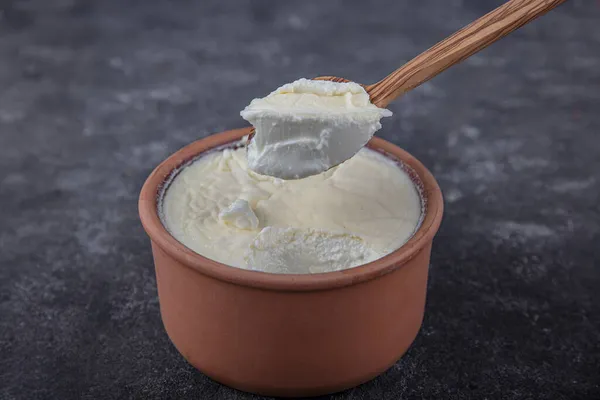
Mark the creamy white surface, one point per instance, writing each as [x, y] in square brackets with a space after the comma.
[298, 251]
[354, 213]
[240, 215]
[307, 126]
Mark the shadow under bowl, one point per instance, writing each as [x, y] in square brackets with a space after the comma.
[290, 335]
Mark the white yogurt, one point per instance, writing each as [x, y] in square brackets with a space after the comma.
[307, 126]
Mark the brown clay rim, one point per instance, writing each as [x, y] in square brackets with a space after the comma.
[148, 208]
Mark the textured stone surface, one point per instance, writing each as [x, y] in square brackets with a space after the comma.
[93, 94]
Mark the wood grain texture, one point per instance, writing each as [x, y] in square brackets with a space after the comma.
[461, 45]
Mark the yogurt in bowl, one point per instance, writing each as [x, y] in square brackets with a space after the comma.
[355, 213]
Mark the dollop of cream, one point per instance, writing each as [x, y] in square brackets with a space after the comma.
[240, 215]
[305, 127]
[300, 251]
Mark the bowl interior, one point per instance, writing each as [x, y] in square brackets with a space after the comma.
[236, 144]
[158, 182]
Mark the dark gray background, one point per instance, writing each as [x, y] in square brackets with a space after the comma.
[93, 94]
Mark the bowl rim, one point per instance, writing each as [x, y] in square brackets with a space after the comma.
[149, 216]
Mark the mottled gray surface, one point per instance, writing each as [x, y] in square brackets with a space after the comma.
[93, 94]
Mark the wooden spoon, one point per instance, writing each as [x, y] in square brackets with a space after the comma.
[464, 43]
[455, 48]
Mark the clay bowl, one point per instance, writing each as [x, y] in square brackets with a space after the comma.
[290, 335]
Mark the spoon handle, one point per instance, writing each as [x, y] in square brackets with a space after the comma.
[469, 40]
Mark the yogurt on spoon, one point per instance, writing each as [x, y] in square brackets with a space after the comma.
[306, 127]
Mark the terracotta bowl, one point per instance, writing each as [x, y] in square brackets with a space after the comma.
[290, 335]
